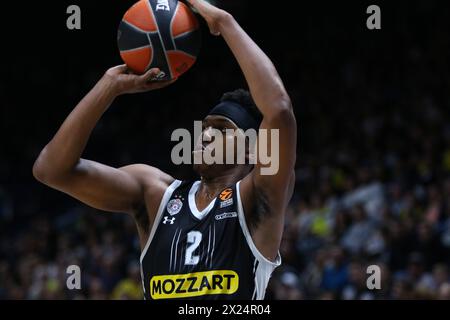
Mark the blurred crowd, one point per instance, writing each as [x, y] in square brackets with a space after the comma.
[372, 176]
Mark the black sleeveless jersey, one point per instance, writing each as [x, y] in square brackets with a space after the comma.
[209, 254]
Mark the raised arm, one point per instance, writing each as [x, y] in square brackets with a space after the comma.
[61, 167]
[271, 192]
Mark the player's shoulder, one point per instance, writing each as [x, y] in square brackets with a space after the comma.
[148, 176]
[153, 181]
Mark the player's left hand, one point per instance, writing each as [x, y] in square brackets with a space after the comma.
[213, 15]
[124, 81]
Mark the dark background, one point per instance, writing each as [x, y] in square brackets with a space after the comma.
[373, 184]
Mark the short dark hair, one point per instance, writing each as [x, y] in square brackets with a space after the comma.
[244, 98]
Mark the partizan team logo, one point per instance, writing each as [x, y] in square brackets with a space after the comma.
[174, 206]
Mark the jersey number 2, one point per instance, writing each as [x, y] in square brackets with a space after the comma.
[193, 239]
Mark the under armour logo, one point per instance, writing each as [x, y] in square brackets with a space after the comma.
[170, 220]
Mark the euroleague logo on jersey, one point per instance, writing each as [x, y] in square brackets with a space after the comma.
[226, 194]
[226, 197]
[174, 206]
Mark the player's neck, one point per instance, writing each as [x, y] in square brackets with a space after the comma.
[215, 185]
[210, 187]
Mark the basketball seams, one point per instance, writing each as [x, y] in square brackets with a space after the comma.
[144, 55]
[173, 56]
[153, 55]
[159, 35]
[180, 61]
[187, 23]
[135, 27]
[143, 22]
[184, 34]
[184, 52]
[171, 24]
[149, 7]
[137, 48]
[188, 34]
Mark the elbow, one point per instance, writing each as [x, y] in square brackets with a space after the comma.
[40, 172]
[44, 170]
[279, 102]
[283, 113]
[284, 105]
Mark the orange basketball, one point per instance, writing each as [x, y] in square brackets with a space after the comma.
[160, 34]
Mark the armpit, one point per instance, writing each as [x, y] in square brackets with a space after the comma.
[141, 217]
[261, 209]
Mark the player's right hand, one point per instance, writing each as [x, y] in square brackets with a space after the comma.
[123, 80]
[213, 15]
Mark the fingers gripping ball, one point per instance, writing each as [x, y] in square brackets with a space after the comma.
[160, 34]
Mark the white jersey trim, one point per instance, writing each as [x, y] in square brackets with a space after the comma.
[265, 267]
[167, 194]
[193, 206]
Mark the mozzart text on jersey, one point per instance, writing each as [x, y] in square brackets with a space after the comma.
[194, 284]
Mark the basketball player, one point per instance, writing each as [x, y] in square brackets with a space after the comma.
[216, 238]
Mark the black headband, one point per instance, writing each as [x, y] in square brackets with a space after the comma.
[238, 114]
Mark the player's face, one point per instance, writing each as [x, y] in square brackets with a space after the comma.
[210, 140]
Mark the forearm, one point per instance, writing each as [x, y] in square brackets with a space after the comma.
[63, 152]
[264, 82]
